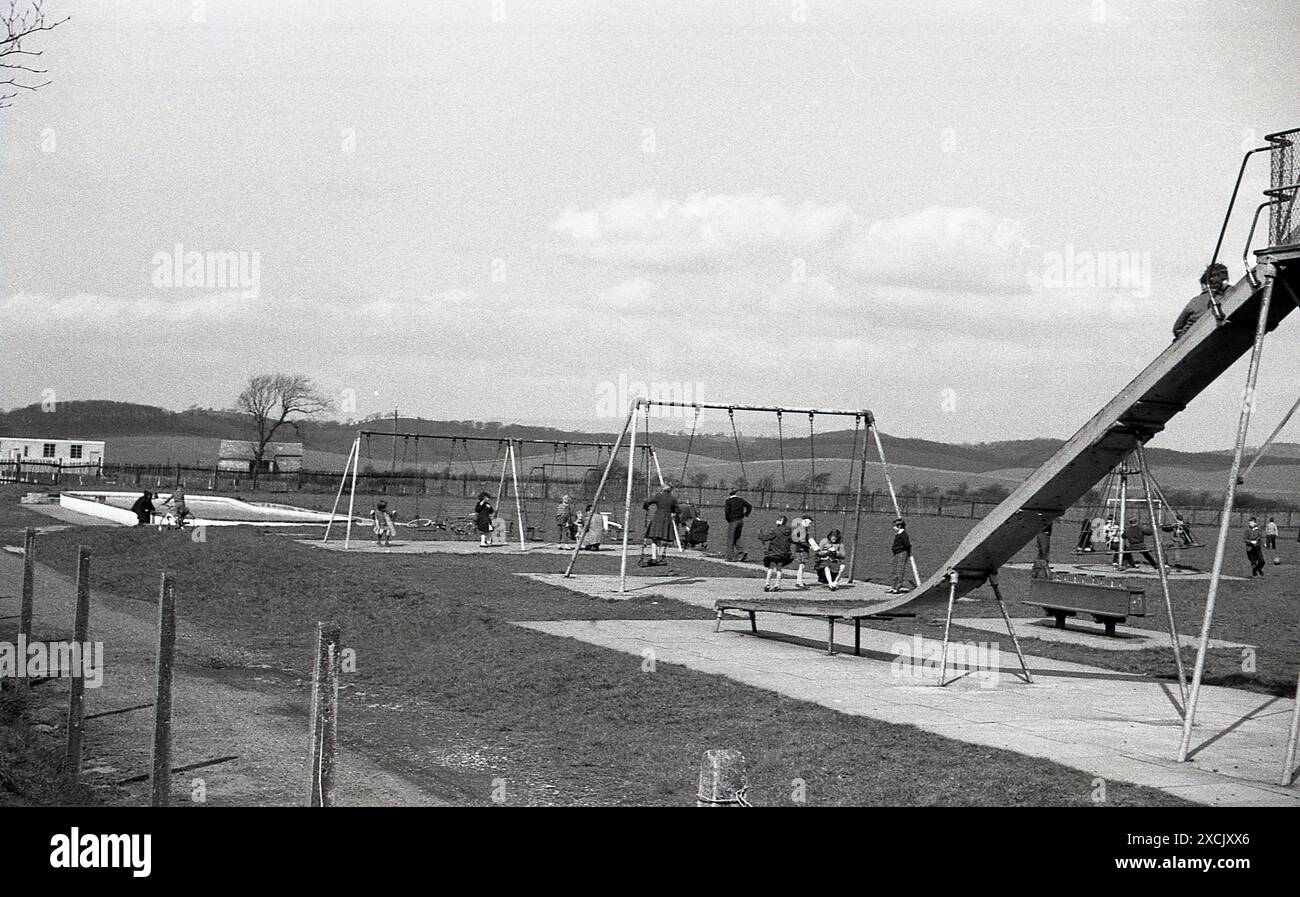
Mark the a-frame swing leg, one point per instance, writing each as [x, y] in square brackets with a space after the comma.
[1225, 516]
[595, 499]
[947, 625]
[356, 445]
[1288, 762]
[352, 496]
[1011, 630]
[627, 498]
[519, 507]
[1164, 575]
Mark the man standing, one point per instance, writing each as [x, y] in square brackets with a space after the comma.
[734, 512]
[1270, 534]
[902, 551]
[564, 517]
[1254, 551]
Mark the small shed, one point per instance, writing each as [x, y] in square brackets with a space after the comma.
[279, 457]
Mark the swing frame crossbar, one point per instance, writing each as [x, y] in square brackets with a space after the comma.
[509, 461]
[862, 416]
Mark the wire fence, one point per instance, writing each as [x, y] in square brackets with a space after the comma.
[446, 494]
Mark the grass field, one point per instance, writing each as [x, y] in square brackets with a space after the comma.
[566, 723]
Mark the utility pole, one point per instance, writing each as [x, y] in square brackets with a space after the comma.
[394, 468]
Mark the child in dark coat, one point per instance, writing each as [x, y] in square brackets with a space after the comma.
[776, 553]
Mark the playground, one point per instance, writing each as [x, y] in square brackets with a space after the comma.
[1082, 643]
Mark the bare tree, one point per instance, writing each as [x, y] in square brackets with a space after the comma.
[269, 399]
[17, 65]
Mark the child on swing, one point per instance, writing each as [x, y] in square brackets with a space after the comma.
[805, 544]
[830, 560]
[776, 553]
[385, 526]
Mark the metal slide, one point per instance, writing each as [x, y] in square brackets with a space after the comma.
[1141, 410]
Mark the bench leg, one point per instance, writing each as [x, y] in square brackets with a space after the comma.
[718, 625]
[1110, 627]
[857, 636]
[753, 623]
[830, 636]
[1060, 621]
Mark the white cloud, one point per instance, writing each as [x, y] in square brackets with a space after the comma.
[939, 248]
[646, 230]
[811, 296]
[637, 294]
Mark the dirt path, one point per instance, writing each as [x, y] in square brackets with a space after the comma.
[256, 716]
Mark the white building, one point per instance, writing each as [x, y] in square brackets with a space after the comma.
[68, 452]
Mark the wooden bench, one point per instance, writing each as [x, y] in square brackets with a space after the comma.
[1107, 603]
[830, 611]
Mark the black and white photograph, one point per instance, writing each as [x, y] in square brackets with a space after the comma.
[877, 404]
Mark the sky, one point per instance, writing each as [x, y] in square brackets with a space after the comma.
[518, 211]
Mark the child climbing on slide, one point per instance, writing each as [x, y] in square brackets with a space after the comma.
[776, 553]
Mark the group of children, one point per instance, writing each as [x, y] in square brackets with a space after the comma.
[144, 509]
[570, 524]
[788, 542]
[1106, 533]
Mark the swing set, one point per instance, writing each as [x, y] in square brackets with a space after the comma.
[504, 461]
[864, 423]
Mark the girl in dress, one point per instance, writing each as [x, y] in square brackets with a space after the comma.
[483, 512]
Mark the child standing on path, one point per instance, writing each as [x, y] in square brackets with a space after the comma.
[902, 553]
[805, 543]
[385, 527]
[776, 553]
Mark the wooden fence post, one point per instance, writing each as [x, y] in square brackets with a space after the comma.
[324, 715]
[76, 684]
[160, 783]
[21, 683]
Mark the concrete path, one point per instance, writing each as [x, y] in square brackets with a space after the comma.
[1093, 635]
[1103, 568]
[702, 591]
[1111, 725]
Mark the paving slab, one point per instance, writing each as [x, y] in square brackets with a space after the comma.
[1119, 728]
[1092, 636]
[1102, 567]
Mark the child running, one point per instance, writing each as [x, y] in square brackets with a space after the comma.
[805, 543]
[830, 559]
[385, 528]
[776, 553]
